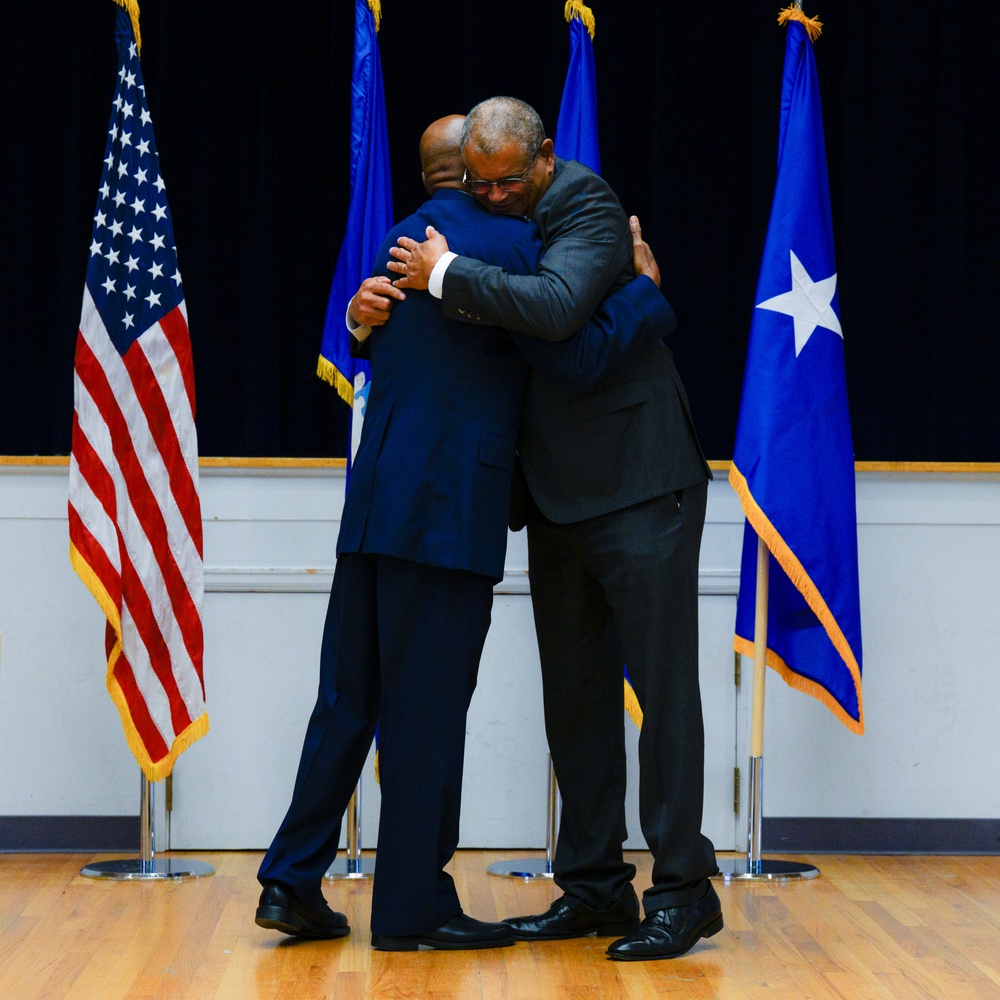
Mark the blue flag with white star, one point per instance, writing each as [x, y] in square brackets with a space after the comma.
[793, 464]
[369, 218]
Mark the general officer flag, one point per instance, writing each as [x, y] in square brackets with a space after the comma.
[369, 216]
[576, 127]
[793, 465]
[134, 512]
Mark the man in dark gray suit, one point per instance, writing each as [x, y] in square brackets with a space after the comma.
[617, 487]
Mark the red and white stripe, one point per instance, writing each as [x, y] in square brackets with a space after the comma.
[135, 527]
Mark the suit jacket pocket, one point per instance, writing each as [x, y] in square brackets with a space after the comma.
[610, 398]
[497, 451]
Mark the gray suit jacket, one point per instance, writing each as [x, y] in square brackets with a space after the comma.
[629, 438]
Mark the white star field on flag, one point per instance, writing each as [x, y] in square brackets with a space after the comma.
[132, 273]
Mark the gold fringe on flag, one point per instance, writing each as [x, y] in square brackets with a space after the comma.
[802, 582]
[794, 13]
[154, 770]
[375, 6]
[328, 372]
[132, 6]
[576, 8]
[632, 705]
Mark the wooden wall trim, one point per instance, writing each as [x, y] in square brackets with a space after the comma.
[717, 465]
[204, 462]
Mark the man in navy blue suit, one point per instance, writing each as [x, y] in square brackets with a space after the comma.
[422, 542]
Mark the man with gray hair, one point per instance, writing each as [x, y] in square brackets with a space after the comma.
[616, 490]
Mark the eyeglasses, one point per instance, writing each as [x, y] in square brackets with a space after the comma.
[510, 185]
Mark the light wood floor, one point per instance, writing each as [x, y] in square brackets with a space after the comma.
[868, 927]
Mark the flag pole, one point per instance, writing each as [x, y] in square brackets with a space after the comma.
[753, 866]
[527, 868]
[352, 865]
[147, 865]
[369, 218]
[756, 791]
[575, 139]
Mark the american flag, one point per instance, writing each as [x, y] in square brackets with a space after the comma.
[134, 513]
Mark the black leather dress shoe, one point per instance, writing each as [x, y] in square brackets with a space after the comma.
[569, 918]
[460, 933]
[280, 910]
[671, 932]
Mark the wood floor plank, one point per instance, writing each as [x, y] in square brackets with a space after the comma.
[869, 928]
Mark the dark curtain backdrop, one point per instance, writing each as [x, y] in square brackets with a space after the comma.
[251, 102]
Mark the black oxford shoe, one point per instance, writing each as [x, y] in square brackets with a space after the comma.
[671, 932]
[461, 933]
[569, 918]
[280, 910]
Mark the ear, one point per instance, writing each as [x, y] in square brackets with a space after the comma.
[547, 152]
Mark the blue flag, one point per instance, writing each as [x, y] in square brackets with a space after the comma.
[576, 128]
[369, 217]
[793, 465]
[576, 139]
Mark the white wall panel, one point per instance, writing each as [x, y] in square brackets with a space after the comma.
[930, 568]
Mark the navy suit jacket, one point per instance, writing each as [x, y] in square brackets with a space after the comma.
[431, 479]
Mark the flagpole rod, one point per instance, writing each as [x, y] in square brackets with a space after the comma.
[147, 865]
[552, 829]
[753, 867]
[759, 651]
[528, 868]
[146, 837]
[756, 791]
[352, 865]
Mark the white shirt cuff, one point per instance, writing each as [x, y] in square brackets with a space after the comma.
[435, 283]
[358, 331]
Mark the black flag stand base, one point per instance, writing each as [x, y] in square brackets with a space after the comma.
[527, 868]
[147, 866]
[753, 867]
[352, 865]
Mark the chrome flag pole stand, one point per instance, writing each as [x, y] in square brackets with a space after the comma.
[536, 867]
[753, 867]
[352, 865]
[147, 866]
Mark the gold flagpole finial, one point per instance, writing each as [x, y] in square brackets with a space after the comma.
[132, 6]
[813, 25]
[577, 8]
[375, 6]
